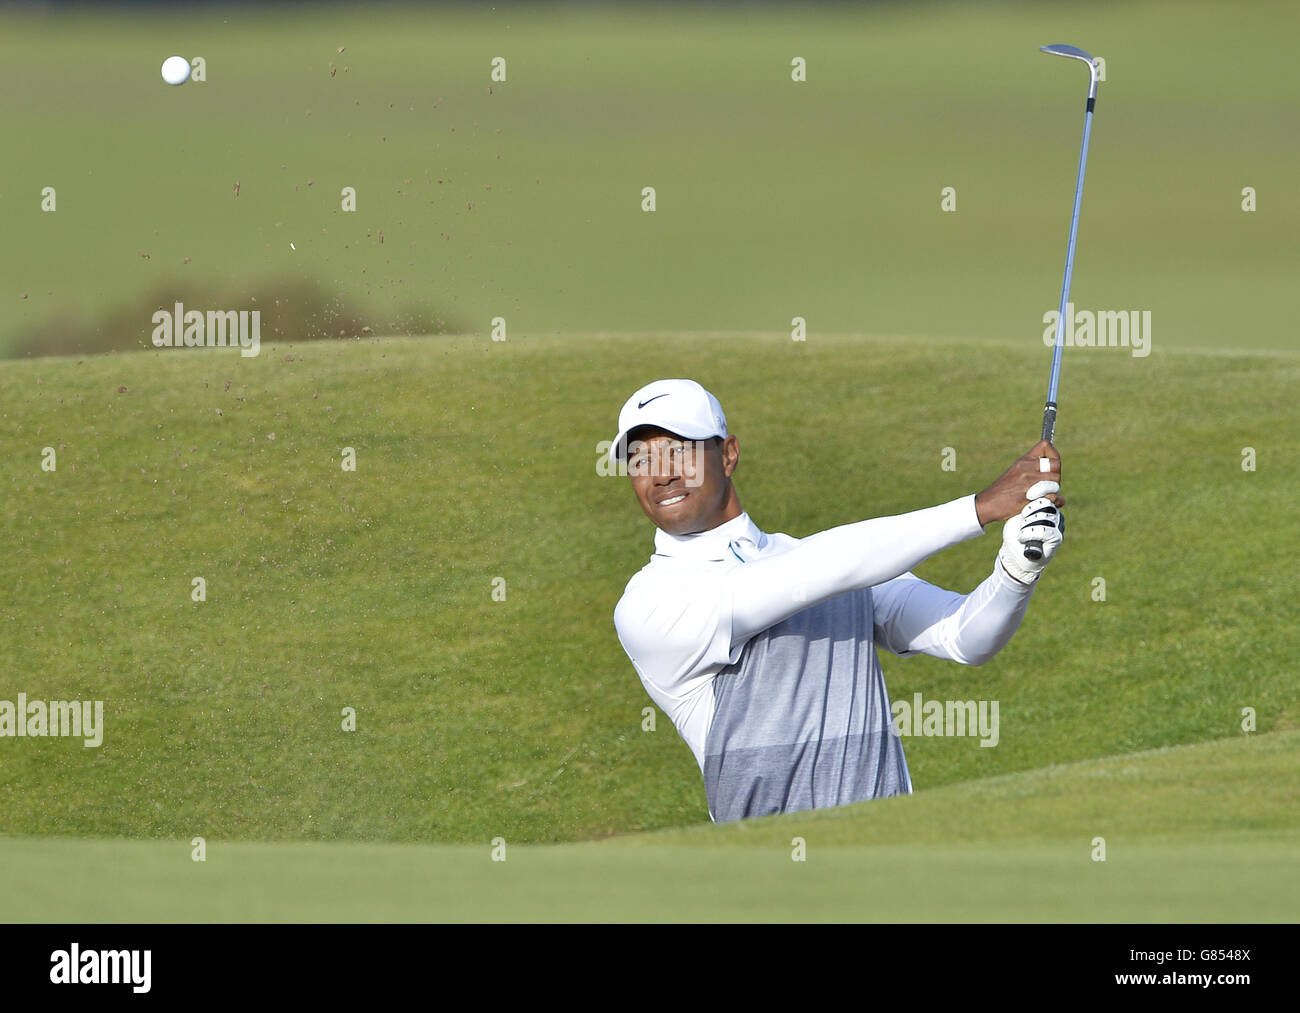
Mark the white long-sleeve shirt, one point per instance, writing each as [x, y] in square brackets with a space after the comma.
[761, 649]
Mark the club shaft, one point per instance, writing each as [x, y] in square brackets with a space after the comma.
[1049, 411]
[1034, 549]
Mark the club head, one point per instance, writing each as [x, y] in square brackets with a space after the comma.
[1075, 53]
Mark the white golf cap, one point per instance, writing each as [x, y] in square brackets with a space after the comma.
[680, 406]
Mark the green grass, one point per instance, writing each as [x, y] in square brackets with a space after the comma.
[476, 461]
[1201, 833]
[775, 199]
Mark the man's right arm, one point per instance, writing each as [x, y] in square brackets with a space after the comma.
[853, 556]
[846, 558]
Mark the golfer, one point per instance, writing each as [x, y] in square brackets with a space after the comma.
[761, 647]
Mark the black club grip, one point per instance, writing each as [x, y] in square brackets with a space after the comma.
[1034, 548]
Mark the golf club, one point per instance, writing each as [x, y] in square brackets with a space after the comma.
[1034, 549]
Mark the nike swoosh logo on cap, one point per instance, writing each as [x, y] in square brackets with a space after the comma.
[642, 404]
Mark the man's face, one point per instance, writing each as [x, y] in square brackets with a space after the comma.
[684, 486]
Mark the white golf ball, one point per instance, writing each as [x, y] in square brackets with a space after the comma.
[176, 70]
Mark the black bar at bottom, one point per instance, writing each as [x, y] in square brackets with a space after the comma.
[573, 963]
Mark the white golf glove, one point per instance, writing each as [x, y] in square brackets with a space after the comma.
[1040, 520]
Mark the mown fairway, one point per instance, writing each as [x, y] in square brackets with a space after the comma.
[1199, 834]
[775, 199]
[477, 459]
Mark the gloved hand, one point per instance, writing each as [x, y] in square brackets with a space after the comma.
[1040, 520]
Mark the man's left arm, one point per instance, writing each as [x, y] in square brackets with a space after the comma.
[914, 616]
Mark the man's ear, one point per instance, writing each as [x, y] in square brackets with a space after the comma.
[722, 448]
